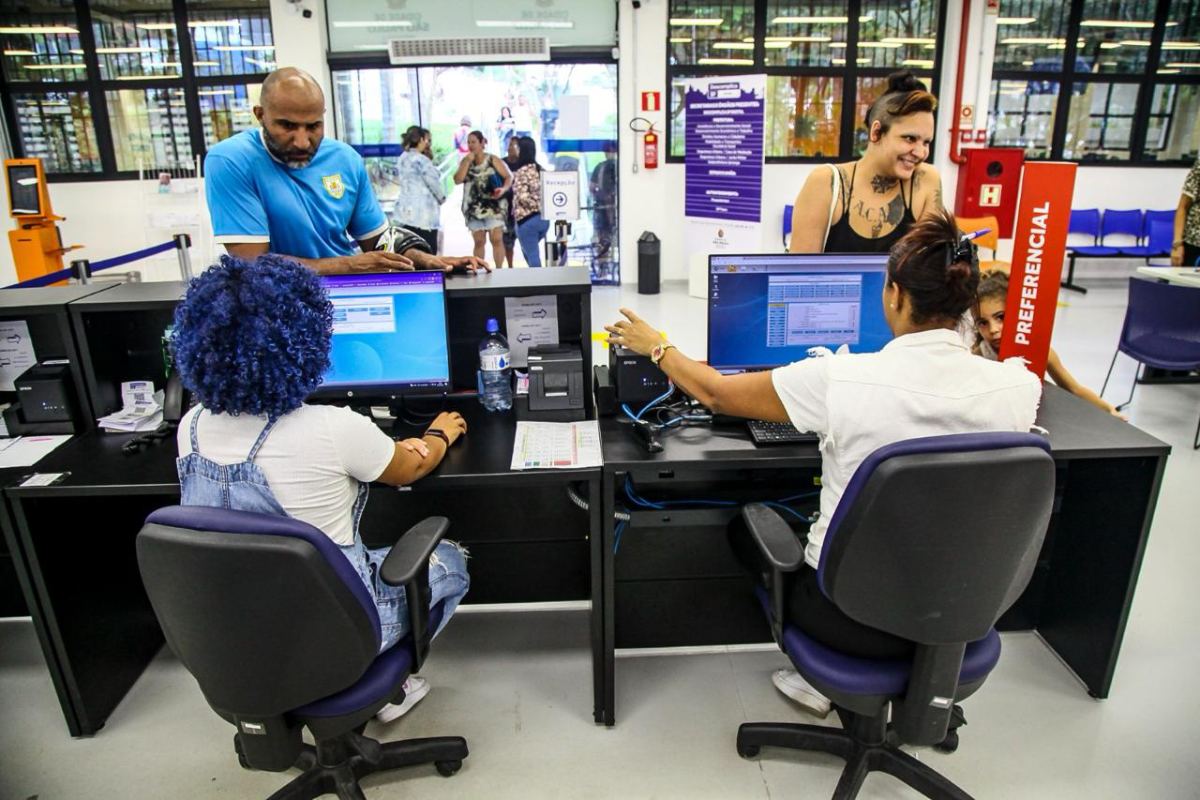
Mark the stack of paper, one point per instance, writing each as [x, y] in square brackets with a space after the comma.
[141, 411]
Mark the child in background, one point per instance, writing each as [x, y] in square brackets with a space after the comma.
[989, 323]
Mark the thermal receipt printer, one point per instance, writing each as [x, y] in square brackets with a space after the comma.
[555, 377]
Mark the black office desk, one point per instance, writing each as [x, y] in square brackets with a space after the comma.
[674, 581]
[95, 624]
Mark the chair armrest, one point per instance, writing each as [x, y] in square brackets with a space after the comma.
[407, 564]
[412, 551]
[774, 537]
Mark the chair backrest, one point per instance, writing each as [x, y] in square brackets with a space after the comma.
[787, 223]
[1162, 324]
[935, 537]
[265, 611]
[1153, 216]
[1121, 222]
[1085, 221]
[1159, 234]
[990, 240]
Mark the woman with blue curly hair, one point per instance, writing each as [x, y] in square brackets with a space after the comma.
[251, 341]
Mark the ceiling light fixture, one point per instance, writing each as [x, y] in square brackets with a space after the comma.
[43, 29]
[685, 22]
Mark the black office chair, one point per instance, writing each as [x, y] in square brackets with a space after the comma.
[278, 629]
[932, 540]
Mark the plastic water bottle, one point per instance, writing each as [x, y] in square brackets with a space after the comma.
[495, 373]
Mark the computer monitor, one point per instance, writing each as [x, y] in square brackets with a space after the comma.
[767, 310]
[389, 335]
[24, 189]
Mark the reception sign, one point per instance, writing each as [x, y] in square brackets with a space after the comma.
[1039, 247]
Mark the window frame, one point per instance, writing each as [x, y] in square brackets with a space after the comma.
[850, 74]
[96, 90]
[1068, 78]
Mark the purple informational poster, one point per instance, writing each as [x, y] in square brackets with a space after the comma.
[723, 159]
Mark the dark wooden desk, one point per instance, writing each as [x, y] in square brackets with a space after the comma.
[93, 619]
[674, 580]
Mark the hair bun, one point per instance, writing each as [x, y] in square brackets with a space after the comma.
[903, 81]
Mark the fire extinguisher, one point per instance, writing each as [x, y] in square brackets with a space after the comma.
[650, 149]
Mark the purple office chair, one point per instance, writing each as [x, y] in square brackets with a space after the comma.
[933, 539]
[1161, 330]
[281, 634]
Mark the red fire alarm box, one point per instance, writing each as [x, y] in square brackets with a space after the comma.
[988, 185]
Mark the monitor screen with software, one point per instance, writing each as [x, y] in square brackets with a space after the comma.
[767, 310]
[389, 335]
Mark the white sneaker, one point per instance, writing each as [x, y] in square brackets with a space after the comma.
[415, 689]
[798, 690]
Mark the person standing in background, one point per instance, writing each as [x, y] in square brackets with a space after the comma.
[505, 127]
[485, 181]
[527, 201]
[1185, 245]
[603, 185]
[421, 193]
[461, 135]
[510, 225]
[523, 117]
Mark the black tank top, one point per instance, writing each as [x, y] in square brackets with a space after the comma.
[843, 239]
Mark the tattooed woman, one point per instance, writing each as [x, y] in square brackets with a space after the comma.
[865, 206]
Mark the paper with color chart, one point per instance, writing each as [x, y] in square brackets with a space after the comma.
[16, 352]
[556, 445]
[530, 321]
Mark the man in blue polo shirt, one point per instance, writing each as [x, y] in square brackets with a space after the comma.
[287, 189]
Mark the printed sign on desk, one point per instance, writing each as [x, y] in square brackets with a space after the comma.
[1039, 246]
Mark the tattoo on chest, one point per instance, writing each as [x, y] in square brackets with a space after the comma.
[883, 184]
[880, 216]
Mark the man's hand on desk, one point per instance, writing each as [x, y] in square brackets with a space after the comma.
[467, 264]
[375, 261]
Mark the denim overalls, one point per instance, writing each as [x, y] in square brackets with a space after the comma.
[243, 487]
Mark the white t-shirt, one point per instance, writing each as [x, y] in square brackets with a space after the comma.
[920, 384]
[313, 458]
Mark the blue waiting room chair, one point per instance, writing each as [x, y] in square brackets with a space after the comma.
[278, 629]
[932, 540]
[787, 224]
[1161, 330]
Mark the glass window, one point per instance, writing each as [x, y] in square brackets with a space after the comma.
[224, 110]
[1031, 35]
[898, 35]
[41, 43]
[135, 39]
[804, 116]
[57, 128]
[1022, 115]
[1114, 37]
[1100, 121]
[1173, 132]
[805, 34]
[711, 33]
[231, 37]
[1181, 42]
[148, 132]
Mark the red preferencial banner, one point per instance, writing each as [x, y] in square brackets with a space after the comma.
[1039, 247]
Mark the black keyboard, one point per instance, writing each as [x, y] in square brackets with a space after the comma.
[763, 432]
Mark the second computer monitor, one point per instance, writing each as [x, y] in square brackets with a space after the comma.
[768, 310]
[389, 335]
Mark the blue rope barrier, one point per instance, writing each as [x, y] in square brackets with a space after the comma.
[44, 280]
[136, 255]
[95, 266]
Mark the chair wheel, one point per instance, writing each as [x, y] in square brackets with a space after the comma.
[949, 744]
[748, 750]
[448, 768]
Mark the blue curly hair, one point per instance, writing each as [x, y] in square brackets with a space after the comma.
[253, 337]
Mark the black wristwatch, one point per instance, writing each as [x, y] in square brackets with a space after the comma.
[439, 434]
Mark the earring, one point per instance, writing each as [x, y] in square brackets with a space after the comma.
[892, 306]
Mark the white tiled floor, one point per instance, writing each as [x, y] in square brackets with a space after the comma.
[518, 685]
